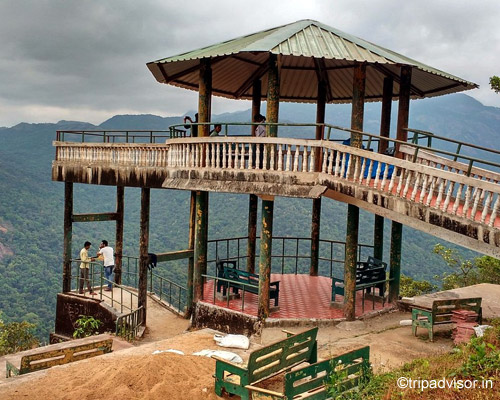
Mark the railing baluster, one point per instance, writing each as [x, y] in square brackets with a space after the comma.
[493, 216]
[468, 193]
[409, 177]
[304, 159]
[236, 155]
[296, 159]
[451, 187]
[476, 203]
[362, 173]
[486, 206]
[257, 157]
[415, 187]
[431, 191]
[250, 155]
[242, 162]
[312, 163]
[289, 157]
[441, 185]
[272, 159]
[280, 158]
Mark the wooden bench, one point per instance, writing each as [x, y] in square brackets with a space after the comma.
[265, 363]
[310, 381]
[440, 312]
[370, 274]
[57, 354]
[250, 281]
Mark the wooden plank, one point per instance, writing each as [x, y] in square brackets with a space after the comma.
[174, 255]
[95, 217]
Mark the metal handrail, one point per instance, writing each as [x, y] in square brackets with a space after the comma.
[127, 325]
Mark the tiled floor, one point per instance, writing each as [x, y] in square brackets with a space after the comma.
[301, 296]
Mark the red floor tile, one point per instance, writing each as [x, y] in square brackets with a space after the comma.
[301, 296]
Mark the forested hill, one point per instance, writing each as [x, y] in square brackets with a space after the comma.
[31, 205]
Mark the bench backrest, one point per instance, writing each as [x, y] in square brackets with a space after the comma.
[281, 355]
[221, 264]
[446, 306]
[46, 359]
[313, 377]
[370, 275]
[241, 276]
[371, 263]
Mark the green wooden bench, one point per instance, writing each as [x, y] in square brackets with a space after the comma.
[57, 354]
[440, 312]
[237, 276]
[310, 382]
[370, 274]
[265, 363]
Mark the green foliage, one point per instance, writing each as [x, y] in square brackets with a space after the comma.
[466, 272]
[86, 326]
[410, 287]
[16, 336]
[338, 382]
[495, 83]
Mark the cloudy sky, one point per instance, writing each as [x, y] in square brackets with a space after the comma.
[86, 60]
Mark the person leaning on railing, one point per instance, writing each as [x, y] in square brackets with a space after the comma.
[84, 268]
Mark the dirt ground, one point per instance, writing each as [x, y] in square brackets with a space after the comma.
[136, 373]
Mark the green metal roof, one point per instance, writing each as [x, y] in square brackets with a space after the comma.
[306, 49]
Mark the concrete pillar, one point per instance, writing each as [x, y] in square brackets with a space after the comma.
[402, 134]
[273, 98]
[120, 211]
[68, 235]
[357, 114]
[253, 199]
[385, 128]
[143, 250]
[190, 274]
[316, 209]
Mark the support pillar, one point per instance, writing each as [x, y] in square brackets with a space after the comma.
[190, 274]
[253, 200]
[357, 114]
[68, 235]
[120, 195]
[266, 239]
[402, 134]
[143, 251]
[385, 128]
[316, 208]
[200, 244]
[395, 261]
[273, 101]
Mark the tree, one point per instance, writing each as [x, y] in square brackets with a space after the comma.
[495, 83]
[410, 287]
[16, 336]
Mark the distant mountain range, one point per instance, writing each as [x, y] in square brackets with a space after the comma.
[31, 205]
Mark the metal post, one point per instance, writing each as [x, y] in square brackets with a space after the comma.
[200, 244]
[385, 128]
[143, 251]
[68, 234]
[357, 113]
[395, 261]
[204, 96]
[316, 209]
[189, 296]
[120, 195]
[273, 95]
[265, 257]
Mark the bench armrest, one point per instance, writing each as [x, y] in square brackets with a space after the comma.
[338, 280]
[275, 395]
[229, 364]
[288, 333]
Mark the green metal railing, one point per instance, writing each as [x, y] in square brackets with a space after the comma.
[290, 254]
[127, 326]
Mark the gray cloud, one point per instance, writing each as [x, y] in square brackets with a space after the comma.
[85, 60]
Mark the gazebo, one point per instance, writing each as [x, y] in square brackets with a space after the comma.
[305, 61]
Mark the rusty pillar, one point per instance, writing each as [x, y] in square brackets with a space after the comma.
[385, 128]
[253, 202]
[190, 273]
[253, 199]
[143, 250]
[316, 208]
[68, 235]
[395, 261]
[351, 246]
[200, 244]
[403, 106]
[204, 96]
[266, 238]
[273, 95]
[120, 195]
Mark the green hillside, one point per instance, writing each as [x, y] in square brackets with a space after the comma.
[31, 205]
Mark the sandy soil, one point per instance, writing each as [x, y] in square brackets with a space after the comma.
[136, 373]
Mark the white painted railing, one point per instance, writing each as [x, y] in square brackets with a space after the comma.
[434, 184]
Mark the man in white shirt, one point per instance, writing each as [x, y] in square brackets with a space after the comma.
[109, 263]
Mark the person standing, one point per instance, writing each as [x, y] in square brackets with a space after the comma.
[109, 263]
[84, 268]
